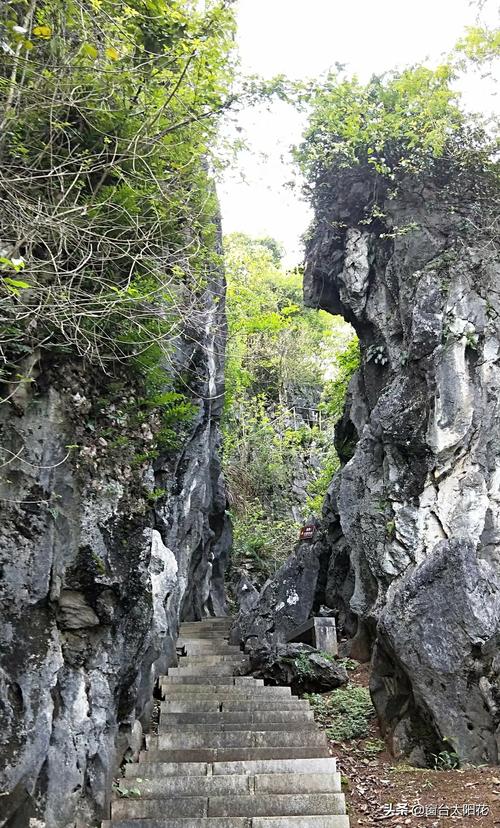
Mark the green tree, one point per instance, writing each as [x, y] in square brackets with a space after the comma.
[278, 434]
[398, 124]
[109, 119]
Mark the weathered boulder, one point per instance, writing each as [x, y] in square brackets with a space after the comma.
[442, 623]
[299, 666]
[285, 601]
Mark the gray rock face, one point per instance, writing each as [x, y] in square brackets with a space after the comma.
[247, 595]
[451, 605]
[408, 550]
[284, 603]
[411, 523]
[102, 551]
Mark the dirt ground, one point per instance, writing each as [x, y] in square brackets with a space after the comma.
[380, 791]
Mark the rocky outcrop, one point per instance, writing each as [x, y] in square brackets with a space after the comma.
[285, 601]
[104, 546]
[411, 524]
[298, 666]
[408, 548]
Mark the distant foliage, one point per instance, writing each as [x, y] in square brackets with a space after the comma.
[277, 431]
[334, 394]
[479, 44]
[262, 542]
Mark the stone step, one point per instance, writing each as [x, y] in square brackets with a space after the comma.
[220, 678]
[237, 785]
[231, 681]
[210, 619]
[223, 668]
[212, 704]
[252, 717]
[228, 806]
[252, 766]
[174, 693]
[203, 635]
[195, 627]
[247, 682]
[211, 755]
[207, 648]
[225, 727]
[182, 692]
[234, 822]
[176, 740]
[202, 660]
[231, 753]
[234, 691]
[222, 633]
[205, 645]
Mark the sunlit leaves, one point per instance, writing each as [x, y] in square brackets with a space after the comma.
[400, 116]
[89, 50]
[44, 32]
[112, 53]
[480, 44]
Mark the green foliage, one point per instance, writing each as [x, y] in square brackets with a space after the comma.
[303, 665]
[126, 793]
[446, 760]
[348, 663]
[318, 487]
[348, 361]
[390, 528]
[109, 121]
[479, 45]
[261, 542]
[394, 124]
[345, 713]
[275, 429]
[155, 495]
[276, 346]
[372, 747]
[400, 124]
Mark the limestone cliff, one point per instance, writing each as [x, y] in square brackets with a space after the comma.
[408, 549]
[412, 522]
[104, 547]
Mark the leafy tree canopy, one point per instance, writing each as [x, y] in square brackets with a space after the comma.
[109, 118]
[398, 123]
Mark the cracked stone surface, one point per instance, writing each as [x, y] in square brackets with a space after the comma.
[95, 579]
[408, 549]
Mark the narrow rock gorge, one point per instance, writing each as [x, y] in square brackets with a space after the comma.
[406, 552]
[177, 404]
[103, 550]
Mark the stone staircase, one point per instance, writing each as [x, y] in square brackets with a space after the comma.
[230, 753]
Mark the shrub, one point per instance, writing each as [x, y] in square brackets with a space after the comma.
[345, 713]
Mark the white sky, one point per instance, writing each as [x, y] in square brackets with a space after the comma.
[303, 38]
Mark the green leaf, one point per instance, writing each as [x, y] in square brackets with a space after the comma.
[45, 32]
[89, 50]
[112, 53]
[16, 283]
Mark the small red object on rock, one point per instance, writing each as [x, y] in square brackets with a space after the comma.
[307, 532]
